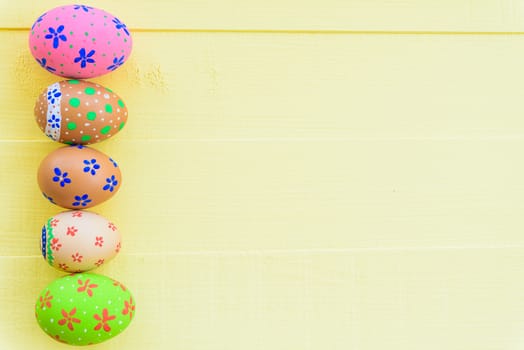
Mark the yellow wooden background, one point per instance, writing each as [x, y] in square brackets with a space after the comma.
[316, 175]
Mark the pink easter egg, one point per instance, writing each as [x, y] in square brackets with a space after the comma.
[79, 41]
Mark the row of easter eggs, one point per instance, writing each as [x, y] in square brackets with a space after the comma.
[79, 41]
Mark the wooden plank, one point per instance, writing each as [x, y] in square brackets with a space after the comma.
[372, 300]
[292, 15]
[228, 86]
[207, 196]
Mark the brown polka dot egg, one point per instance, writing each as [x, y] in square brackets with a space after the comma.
[78, 177]
[79, 112]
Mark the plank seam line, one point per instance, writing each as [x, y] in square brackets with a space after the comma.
[307, 139]
[320, 251]
[303, 31]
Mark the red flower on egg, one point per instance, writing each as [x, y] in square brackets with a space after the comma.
[118, 247]
[57, 338]
[118, 284]
[54, 222]
[69, 319]
[129, 308]
[77, 214]
[77, 257]
[71, 231]
[63, 266]
[86, 287]
[99, 241]
[99, 262]
[103, 320]
[112, 226]
[46, 300]
[55, 245]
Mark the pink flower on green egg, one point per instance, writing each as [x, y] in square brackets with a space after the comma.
[69, 319]
[129, 308]
[86, 287]
[103, 320]
[46, 300]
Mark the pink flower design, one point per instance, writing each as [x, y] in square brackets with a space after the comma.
[63, 266]
[68, 319]
[54, 222]
[118, 247]
[77, 214]
[85, 286]
[103, 320]
[99, 262]
[112, 226]
[71, 231]
[77, 257]
[129, 308]
[57, 338]
[55, 245]
[46, 300]
[99, 241]
[118, 284]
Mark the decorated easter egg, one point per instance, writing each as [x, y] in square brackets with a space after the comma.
[79, 112]
[79, 41]
[78, 177]
[84, 308]
[77, 241]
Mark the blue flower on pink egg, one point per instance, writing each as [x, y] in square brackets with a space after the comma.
[120, 25]
[91, 166]
[43, 63]
[83, 7]
[81, 200]
[61, 177]
[84, 58]
[38, 20]
[56, 35]
[112, 182]
[117, 62]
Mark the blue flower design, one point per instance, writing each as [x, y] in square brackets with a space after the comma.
[43, 63]
[91, 166]
[38, 20]
[117, 62]
[78, 146]
[120, 25]
[54, 121]
[112, 182]
[51, 95]
[48, 198]
[84, 58]
[82, 200]
[61, 177]
[113, 162]
[56, 35]
[83, 7]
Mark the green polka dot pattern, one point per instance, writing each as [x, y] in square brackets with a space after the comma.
[88, 112]
[84, 308]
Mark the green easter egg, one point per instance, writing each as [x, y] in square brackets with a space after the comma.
[84, 308]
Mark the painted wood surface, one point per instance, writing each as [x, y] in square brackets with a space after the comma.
[296, 175]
